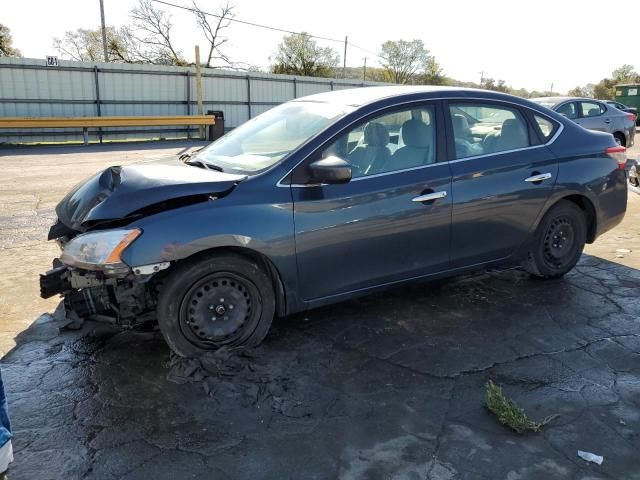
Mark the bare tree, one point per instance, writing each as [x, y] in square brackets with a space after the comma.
[82, 45]
[85, 45]
[213, 30]
[152, 29]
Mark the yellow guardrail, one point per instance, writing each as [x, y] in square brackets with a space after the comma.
[87, 122]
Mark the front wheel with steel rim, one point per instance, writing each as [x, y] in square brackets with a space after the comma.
[558, 241]
[215, 301]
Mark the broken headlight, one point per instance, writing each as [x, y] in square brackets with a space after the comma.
[99, 250]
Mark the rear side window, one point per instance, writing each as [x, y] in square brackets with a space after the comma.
[546, 126]
[592, 109]
[481, 129]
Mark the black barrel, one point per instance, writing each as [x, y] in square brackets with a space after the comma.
[216, 130]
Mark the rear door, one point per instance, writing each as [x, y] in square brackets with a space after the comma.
[594, 116]
[391, 221]
[500, 180]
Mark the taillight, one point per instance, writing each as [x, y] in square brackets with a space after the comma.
[632, 117]
[619, 154]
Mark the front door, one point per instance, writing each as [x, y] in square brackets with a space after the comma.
[500, 180]
[390, 222]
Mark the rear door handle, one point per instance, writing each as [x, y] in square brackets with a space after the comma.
[538, 178]
[429, 197]
[607, 121]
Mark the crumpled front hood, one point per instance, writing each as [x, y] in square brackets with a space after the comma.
[120, 192]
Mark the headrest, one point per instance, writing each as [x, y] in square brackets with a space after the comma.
[512, 127]
[416, 134]
[593, 112]
[460, 125]
[376, 135]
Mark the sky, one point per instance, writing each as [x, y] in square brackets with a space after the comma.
[528, 44]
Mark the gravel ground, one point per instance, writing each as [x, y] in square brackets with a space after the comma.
[389, 386]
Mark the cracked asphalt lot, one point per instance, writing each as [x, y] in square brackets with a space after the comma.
[388, 386]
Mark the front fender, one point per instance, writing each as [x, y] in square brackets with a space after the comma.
[265, 228]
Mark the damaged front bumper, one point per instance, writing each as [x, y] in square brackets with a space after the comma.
[127, 299]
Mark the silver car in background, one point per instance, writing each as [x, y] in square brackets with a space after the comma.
[594, 115]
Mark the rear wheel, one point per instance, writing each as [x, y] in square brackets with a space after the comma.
[558, 241]
[215, 301]
[620, 139]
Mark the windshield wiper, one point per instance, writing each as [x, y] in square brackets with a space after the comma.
[203, 164]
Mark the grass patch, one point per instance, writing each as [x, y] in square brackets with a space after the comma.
[510, 414]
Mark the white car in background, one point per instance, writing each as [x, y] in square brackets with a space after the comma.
[594, 115]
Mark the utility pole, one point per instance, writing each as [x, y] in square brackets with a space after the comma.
[551, 88]
[104, 31]
[481, 76]
[199, 90]
[344, 62]
[364, 72]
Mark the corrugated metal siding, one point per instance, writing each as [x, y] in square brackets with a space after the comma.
[138, 90]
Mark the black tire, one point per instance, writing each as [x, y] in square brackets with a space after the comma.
[558, 241]
[620, 139]
[215, 301]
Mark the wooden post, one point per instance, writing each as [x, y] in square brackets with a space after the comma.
[199, 90]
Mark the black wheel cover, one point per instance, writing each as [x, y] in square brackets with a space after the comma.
[218, 309]
[559, 247]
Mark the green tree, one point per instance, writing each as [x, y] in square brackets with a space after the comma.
[433, 74]
[491, 84]
[299, 54]
[584, 91]
[605, 89]
[403, 60]
[625, 74]
[6, 43]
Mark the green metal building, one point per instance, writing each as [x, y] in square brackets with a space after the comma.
[629, 94]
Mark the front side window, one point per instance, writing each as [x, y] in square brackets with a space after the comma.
[263, 141]
[391, 142]
[480, 129]
[568, 110]
[591, 109]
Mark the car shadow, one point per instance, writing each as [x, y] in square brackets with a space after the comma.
[390, 384]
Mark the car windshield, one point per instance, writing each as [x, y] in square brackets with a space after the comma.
[263, 141]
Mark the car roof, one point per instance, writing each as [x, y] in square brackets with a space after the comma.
[557, 100]
[357, 97]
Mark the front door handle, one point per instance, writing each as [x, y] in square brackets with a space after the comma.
[538, 178]
[429, 197]
[607, 121]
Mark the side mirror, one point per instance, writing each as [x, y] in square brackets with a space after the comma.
[329, 170]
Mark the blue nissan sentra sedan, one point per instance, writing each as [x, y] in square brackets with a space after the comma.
[331, 196]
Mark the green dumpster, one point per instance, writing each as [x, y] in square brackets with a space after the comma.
[629, 95]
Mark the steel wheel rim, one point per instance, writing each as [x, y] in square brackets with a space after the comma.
[559, 242]
[220, 308]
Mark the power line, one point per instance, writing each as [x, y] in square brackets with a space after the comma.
[244, 22]
[259, 25]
